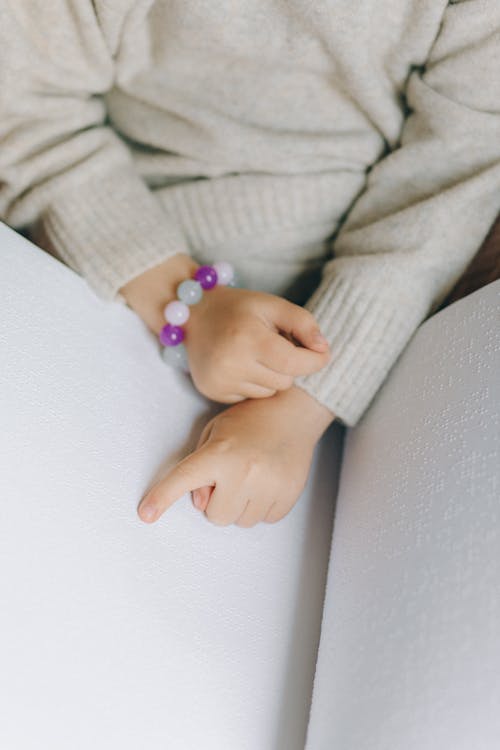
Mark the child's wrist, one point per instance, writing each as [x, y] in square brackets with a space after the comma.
[309, 414]
[149, 292]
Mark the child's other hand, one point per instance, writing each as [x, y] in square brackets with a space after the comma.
[240, 344]
[251, 462]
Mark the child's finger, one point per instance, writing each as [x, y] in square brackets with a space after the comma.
[225, 506]
[271, 379]
[255, 390]
[196, 470]
[201, 497]
[301, 324]
[286, 358]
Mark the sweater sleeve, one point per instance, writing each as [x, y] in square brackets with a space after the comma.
[62, 167]
[425, 210]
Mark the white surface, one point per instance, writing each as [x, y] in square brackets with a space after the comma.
[409, 656]
[116, 635]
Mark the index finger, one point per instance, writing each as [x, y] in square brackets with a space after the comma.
[196, 470]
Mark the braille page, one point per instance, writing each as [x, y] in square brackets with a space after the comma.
[117, 635]
[409, 656]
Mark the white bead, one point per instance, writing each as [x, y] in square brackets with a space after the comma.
[176, 313]
[225, 272]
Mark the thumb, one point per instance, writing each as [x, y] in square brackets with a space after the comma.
[300, 325]
[196, 470]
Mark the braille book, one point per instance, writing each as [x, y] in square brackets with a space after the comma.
[367, 619]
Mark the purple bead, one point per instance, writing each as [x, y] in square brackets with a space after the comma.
[206, 276]
[171, 335]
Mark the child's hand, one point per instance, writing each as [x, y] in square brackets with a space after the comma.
[233, 336]
[251, 462]
[236, 349]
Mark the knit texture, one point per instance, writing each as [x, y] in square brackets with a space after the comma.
[345, 155]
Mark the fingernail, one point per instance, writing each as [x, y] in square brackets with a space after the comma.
[320, 339]
[147, 513]
[197, 499]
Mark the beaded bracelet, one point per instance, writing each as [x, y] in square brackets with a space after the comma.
[176, 313]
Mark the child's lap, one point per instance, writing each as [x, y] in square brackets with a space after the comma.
[115, 633]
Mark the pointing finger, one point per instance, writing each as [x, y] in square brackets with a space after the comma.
[196, 470]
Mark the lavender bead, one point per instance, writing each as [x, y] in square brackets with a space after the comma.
[176, 312]
[176, 356]
[207, 276]
[189, 292]
[171, 335]
[225, 272]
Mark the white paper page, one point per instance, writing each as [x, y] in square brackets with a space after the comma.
[409, 655]
[117, 635]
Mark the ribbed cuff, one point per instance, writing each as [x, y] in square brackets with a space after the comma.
[368, 316]
[231, 207]
[111, 229]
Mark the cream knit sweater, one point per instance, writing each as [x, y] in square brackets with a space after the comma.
[344, 154]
